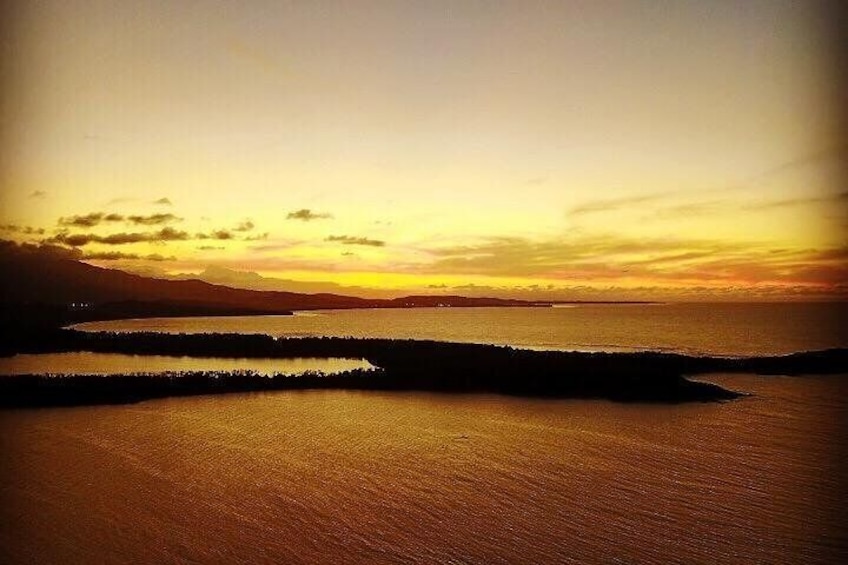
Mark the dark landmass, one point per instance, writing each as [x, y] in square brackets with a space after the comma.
[30, 391]
[46, 287]
[403, 364]
[43, 289]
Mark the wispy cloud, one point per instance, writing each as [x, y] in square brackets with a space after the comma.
[800, 201]
[37, 194]
[612, 258]
[664, 205]
[163, 202]
[351, 240]
[613, 204]
[306, 215]
[823, 155]
[723, 206]
[279, 245]
[246, 225]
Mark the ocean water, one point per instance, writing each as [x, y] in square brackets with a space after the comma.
[352, 477]
[369, 477]
[720, 329]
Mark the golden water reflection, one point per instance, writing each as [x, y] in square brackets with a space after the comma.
[88, 363]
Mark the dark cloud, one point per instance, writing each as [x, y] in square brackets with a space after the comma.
[119, 256]
[96, 218]
[307, 215]
[12, 249]
[258, 237]
[163, 202]
[80, 240]
[24, 230]
[217, 234]
[152, 219]
[211, 247]
[246, 225]
[37, 194]
[89, 220]
[350, 240]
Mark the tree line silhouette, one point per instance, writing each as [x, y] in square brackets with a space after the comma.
[403, 365]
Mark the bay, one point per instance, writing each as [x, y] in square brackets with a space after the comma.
[690, 328]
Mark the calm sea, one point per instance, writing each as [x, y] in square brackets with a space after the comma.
[721, 329]
[354, 477]
[347, 477]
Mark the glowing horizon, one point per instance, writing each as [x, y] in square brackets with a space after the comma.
[549, 150]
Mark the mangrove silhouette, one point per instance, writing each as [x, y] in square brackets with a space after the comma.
[403, 365]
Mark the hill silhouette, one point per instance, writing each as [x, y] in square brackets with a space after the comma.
[47, 286]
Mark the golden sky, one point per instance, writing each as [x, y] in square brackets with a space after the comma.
[583, 149]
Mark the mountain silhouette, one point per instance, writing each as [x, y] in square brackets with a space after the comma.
[50, 286]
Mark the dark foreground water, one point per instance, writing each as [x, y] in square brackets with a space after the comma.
[716, 329]
[354, 477]
[347, 477]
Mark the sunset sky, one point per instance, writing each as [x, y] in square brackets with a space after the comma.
[597, 149]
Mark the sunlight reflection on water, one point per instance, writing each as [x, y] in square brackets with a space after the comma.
[88, 363]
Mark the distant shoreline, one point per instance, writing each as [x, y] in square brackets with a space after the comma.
[234, 313]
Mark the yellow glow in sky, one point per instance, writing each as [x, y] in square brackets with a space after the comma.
[551, 149]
